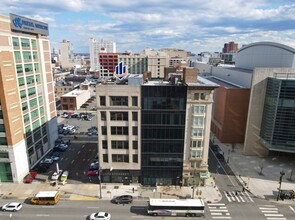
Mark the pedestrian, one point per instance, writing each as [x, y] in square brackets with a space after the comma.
[133, 190]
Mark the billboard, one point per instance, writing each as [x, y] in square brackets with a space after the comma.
[27, 25]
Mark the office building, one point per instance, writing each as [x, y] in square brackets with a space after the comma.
[135, 63]
[230, 47]
[96, 47]
[66, 54]
[28, 124]
[155, 131]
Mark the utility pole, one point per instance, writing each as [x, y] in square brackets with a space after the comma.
[99, 176]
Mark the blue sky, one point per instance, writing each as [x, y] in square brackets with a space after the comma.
[192, 25]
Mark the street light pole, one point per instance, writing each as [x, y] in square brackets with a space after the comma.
[99, 175]
[281, 178]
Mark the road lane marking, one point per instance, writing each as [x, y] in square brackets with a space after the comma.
[222, 217]
[249, 196]
[216, 204]
[268, 208]
[291, 208]
[42, 215]
[225, 193]
[274, 215]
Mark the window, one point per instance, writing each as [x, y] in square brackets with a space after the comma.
[135, 144]
[34, 114]
[42, 110]
[120, 158]
[4, 155]
[196, 144]
[104, 144]
[197, 132]
[36, 67]
[134, 116]
[118, 101]
[105, 158]
[15, 41]
[24, 106]
[134, 131]
[104, 130]
[120, 145]
[35, 55]
[28, 68]
[17, 56]
[40, 99]
[119, 130]
[135, 158]
[21, 81]
[26, 118]
[23, 94]
[103, 116]
[32, 91]
[19, 68]
[2, 128]
[30, 80]
[199, 96]
[27, 55]
[36, 125]
[3, 141]
[119, 116]
[102, 100]
[198, 121]
[199, 109]
[38, 78]
[134, 101]
[34, 44]
[25, 43]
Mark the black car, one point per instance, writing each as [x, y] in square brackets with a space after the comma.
[125, 199]
[220, 156]
[42, 168]
[215, 147]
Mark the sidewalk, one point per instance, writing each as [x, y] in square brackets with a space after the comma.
[108, 191]
[263, 184]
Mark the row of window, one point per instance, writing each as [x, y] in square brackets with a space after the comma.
[24, 42]
[120, 158]
[120, 144]
[119, 130]
[28, 68]
[119, 116]
[118, 100]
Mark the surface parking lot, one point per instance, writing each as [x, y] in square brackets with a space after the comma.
[76, 159]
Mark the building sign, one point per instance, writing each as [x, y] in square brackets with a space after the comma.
[120, 71]
[27, 25]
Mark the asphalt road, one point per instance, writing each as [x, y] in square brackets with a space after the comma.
[137, 210]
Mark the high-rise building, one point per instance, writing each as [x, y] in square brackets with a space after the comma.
[97, 47]
[135, 63]
[230, 47]
[28, 124]
[66, 54]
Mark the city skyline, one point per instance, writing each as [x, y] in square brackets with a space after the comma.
[194, 25]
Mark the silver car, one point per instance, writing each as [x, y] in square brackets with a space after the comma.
[13, 206]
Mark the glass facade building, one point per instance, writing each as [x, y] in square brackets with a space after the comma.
[163, 130]
[277, 127]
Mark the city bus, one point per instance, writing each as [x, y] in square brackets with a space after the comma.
[176, 207]
[46, 198]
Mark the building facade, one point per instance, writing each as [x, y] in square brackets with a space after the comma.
[155, 132]
[66, 54]
[108, 62]
[230, 47]
[96, 47]
[27, 109]
[135, 63]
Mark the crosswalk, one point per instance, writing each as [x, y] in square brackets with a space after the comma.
[235, 196]
[219, 211]
[271, 212]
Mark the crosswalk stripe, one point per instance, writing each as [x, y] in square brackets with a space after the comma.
[274, 215]
[269, 211]
[216, 204]
[249, 196]
[273, 208]
[225, 193]
[218, 210]
[222, 217]
[276, 218]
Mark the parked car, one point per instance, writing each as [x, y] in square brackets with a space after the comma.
[54, 158]
[94, 166]
[215, 147]
[30, 177]
[124, 199]
[56, 175]
[219, 155]
[92, 173]
[100, 216]
[13, 206]
[64, 176]
[47, 161]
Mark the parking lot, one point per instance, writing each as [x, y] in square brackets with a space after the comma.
[76, 159]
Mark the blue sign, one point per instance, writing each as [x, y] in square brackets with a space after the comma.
[22, 24]
[120, 71]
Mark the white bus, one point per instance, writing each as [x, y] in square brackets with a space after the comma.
[175, 207]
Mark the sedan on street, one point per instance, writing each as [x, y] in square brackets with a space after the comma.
[13, 206]
[100, 215]
[92, 173]
[125, 199]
